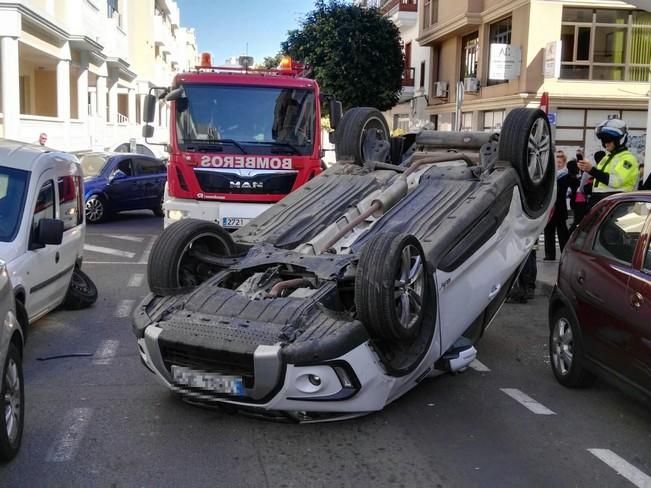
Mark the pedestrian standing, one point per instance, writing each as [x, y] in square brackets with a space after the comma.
[557, 224]
[618, 171]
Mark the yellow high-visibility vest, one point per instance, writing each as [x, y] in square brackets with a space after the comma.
[623, 171]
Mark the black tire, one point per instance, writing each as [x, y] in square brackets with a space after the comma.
[389, 293]
[566, 352]
[171, 269]
[23, 318]
[350, 134]
[533, 162]
[96, 209]
[12, 399]
[82, 292]
[158, 211]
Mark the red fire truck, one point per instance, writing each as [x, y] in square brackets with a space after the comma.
[240, 139]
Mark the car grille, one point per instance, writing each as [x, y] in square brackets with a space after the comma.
[210, 361]
[212, 181]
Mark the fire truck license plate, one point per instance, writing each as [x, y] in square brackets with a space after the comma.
[234, 221]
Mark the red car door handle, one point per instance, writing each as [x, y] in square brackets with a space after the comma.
[636, 300]
[580, 277]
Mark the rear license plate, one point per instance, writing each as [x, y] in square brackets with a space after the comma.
[218, 383]
[234, 221]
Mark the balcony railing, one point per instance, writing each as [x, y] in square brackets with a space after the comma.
[403, 6]
[408, 76]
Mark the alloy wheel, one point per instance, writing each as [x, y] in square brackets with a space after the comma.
[562, 346]
[539, 149]
[409, 286]
[12, 400]
[94, 210]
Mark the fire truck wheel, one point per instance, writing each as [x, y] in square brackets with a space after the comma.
[391, 287]
[174, 266]
[526, 142]
[352, 130]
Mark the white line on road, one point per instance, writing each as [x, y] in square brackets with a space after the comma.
[623, 468]
[136, 280]
[145, 254]
[124, 308]
[527, 401]
[125, 237]
[108, 250]
[106, 352]
[65, 448]
[479, 366]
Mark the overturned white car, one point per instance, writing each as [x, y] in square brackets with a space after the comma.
[385, 269]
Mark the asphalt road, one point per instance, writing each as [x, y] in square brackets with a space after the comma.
[100, 419]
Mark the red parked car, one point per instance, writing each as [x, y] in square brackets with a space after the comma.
[600, 309]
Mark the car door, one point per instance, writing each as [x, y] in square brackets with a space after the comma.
[71, 213]
[123, 192]
[47, 275]
[151, 175]
[638, 310]
[599, 279]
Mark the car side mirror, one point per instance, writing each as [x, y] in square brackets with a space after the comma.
[335, 113]
[149, 108]
[147, 131]
[118, 174]
[49, 232]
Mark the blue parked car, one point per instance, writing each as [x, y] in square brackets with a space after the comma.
[120, 181]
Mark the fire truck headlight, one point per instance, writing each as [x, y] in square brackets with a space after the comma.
[176, 214]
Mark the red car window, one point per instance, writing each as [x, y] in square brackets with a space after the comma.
[618, 234]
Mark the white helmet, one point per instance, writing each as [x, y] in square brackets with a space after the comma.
[614, 130]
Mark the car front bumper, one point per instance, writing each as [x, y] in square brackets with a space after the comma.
[227, 214]
[354, 383]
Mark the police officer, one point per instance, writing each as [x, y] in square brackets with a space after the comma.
[618, 171]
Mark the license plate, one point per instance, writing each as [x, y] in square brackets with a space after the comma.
[234, 221]
[218, 383]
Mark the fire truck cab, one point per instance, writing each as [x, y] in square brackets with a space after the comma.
[240, 139]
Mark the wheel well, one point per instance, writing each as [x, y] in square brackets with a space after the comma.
[555, 304]
[21, 311]
[17, 341]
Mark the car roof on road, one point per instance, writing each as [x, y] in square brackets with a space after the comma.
[30, 157]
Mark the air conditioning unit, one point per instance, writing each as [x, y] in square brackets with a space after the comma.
[440, 89]
[471, 85]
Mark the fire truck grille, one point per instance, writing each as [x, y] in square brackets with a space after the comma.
[262, 183]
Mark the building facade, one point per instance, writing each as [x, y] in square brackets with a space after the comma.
[79, 69]
[489, 56]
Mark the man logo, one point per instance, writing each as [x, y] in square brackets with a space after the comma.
[254, 185]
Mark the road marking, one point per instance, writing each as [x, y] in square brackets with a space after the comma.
[108, 250]
[528, 402]
[65, 448]
[479, 366]
[147, 251]
[136, 280]
[124, 308]
[623, 467]
[106, 352]
[125, 238]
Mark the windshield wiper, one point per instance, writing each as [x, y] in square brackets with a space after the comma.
[215, 142]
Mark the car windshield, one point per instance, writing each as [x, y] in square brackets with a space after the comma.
[13, 190]
[247, 119]
[92, 164]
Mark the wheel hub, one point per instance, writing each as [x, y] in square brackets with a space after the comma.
[562, 346]
[408, 287]
[12, 401]
[539, 150]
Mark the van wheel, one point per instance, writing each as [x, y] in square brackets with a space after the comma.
[172, 268]
[352, 130]
[526, 142]
[82, 292]
[12, 399]
[391, 286]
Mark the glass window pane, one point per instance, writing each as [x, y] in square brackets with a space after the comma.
[577, 14]
[612, 16]
[583, 44]
[44, 208]
[567, 38]
[569, 72]
[640, 46]
[610, 45]
[608, 73]
[618, 235]
[641, 17]
[647, 259]
[638, 73]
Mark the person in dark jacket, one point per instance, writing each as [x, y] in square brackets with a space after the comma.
[565, 181]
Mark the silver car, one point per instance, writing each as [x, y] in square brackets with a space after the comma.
[12, 402]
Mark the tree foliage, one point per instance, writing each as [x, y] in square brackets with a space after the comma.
[355, 53]
[272, 62]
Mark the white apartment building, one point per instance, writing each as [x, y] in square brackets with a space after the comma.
[78, 70]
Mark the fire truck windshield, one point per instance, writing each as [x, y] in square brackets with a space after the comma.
[250, 119]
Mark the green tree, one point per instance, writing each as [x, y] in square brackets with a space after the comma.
[272, 62]
[354, 53]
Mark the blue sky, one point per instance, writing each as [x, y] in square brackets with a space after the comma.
[223, 27]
